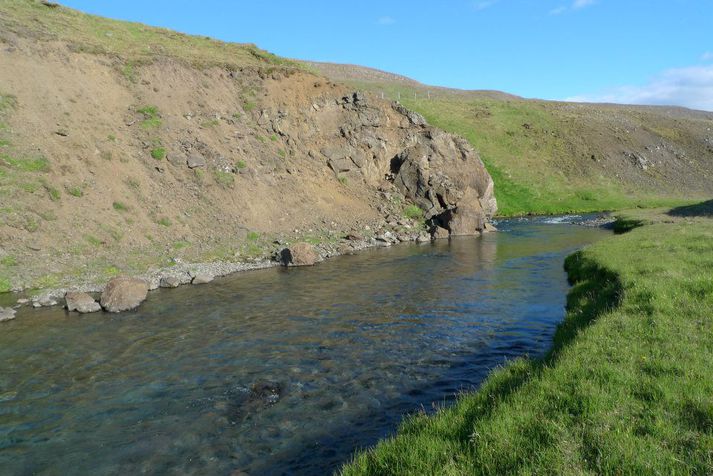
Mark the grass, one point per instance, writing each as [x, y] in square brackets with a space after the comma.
[626, 388]
[93, 240]
[413, 212]
[240, 164]
[253, 236]
[5, 285]
[75, 191]
[165, 222]
[224, 179]
[152, 119]
[120, 207]
[8, 261]
[137, 44]
[281, 153]
[159, 153]
[342, 179]
[33, 164]
[210, 123]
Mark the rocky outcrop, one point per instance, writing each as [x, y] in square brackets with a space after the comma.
[83, 303]
[6, 314]
[202, 278]
[299, 254]
[124, 294]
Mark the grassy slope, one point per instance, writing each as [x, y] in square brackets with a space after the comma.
[626, 389]
[548, 167]
[133, 42]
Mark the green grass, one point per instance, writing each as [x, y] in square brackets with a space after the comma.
[75, 191]
[210, 123]
[5, 285]
[281, 153]
[8, 261]
[135, 43]
[179, 245]
[240, 164]
[413, 212]
[93, 240]
[120, 206]
[165, 222]
[152, 119]
[626, 388]
[342, 179]
[253, 236]
[33, 164]
[224, 179]
[249, 106]
[159, 153]
[273, 137]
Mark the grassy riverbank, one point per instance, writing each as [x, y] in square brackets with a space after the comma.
[626, 389]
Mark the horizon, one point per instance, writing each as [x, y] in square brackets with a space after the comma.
[569, 50]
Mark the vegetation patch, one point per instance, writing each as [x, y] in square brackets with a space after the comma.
[120, 206]
[413, 212]
[75, 191]
[159, 153]
[35, 164]
[224, 179]
[165, 222]
[151, 120]
[240, 164]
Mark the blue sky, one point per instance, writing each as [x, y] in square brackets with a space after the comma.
[651, 52]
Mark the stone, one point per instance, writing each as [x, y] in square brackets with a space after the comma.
[6, 314]
[423, 238]
[440, 233]
[44, 301]
[195, 161]
[299, 254]
[124, 294]
[83, 303]
[202, 278]
[354, 236]
[489, 228]
[170, 282]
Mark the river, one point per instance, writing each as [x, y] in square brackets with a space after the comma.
[278, 371]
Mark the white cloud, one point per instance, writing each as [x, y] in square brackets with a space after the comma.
[582, 3]
[385, 21]
[690, 87]
[707, 56]
[482, 5]
[576, 5]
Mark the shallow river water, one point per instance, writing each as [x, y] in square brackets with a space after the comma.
[277, 371]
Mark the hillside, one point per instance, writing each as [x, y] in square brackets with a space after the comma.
[125, 148]
[555, 157]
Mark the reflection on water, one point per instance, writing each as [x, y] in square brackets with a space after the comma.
[277, 371]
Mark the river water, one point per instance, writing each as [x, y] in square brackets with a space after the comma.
[278, 371]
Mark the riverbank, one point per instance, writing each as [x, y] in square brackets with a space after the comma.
[626, 388]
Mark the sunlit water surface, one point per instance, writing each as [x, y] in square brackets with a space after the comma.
[277, 371]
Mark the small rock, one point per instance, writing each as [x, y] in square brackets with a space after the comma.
[195, 161]
[423, 238]
[23, 301]
[170, 282]
[299, 254]
[202, 278]
[6, 314]
[124, 294]
[354, 237]
[44, 301]
[440, 233]
[489, 227]
[81, 302]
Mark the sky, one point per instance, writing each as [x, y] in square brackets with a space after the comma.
[627, 51]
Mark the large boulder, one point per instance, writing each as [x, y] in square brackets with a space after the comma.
[299, 254]
[83, 303]
[6, 314]
[203, 278]
[444, 176]
[124, 294]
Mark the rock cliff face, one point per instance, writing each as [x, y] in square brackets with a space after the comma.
[374, 142]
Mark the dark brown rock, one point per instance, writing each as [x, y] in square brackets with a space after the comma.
[299, 254]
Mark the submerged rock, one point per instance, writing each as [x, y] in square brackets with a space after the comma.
[81, 302]
[6, 314]
[299, 254]
[124, 294]
[202, 278]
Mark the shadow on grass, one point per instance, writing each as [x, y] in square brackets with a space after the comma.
[704, 209]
